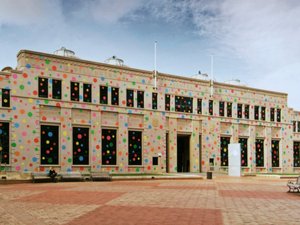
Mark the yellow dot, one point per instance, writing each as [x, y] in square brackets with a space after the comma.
[47, 142]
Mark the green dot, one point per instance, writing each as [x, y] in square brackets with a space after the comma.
[69, 160]
[92, 132]
[30, 114]
[47, 61]
[46, 101]
[137, 170]
[158, 137]
[133, 83]
[13, 145]
[124, 140]
[134, 146]
[50, 160]
[111, 144]
[22, 87]
[36, 149]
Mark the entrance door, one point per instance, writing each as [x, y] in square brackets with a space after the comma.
[183, 153]
[167, 153]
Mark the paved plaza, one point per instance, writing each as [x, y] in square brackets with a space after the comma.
[223, 200]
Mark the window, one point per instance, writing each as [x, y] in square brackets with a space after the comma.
[80, 146]
[259, 151]
[240, 110]
[221, 108]
[298, 128]
[87, 92]
[229, 109]
[74, 91]
[199, 106]
[135, 148]
[129, 97]
[114, 96]
[43, 87]
[275, 153]
[225, 141]
[263, 113]
[5, 98]
[167, 102]
[278, 115]
[56, 89]
[294, 126]
[244, 151]
[211, 107]
[256, 112]
[49, 145]
[183, 104]
[154, 100]
[296, 154]
[247, 111]
[4, 143]
[155, 161]
[272, 114]
[140, 99]
[109, 147]
[103, 95]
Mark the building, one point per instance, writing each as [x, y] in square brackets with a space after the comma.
[72, 114]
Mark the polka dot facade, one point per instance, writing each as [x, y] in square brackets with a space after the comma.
[78, 115]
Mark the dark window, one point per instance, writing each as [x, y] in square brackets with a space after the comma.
[154, 100]
[221, 108]
[225, 141]
[103, 95]
[140, 99]
[259, 152]
[263, 113]
[240, 110]
[167, 102]
[298, 128]
[87, 92]
[74, 91]
[275, 153]
[134, 148]
[80, 146]
[155, 161]
[43, 87]
[294, 126]
[244, 151]
[296, 154]
[211, 107]
[272, 114]
[278, 115]
[199, 106]
[130, 98]
[4, 143]
[109, 147]
[229, 109]
[114, 96]
[49, 145]
[247, 111]
[256, 112]
[56, 89]
[183, 104]
[5, 98]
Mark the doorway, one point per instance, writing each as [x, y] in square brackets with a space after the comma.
[183, 153]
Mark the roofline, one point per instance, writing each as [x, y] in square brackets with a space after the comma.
[148, 72]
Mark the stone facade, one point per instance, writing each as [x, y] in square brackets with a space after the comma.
[74, 114]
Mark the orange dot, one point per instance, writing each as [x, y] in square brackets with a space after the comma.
[22, 111]
[65, 75]
[17, 153]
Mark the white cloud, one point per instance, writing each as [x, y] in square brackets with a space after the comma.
[29, 12]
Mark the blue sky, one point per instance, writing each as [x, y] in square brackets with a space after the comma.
[252, 40]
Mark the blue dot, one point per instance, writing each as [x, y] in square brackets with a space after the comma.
[17, 125]
[28, 66]
[63, 147]
[34, 159]
[50, 134]
[81, 158]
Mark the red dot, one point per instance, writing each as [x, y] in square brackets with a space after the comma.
[36, 140]
[35, 93]
[25, 75]
[54, 68]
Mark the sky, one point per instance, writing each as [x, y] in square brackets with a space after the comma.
[255, 41]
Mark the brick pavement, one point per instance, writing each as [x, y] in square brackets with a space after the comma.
[223, 200]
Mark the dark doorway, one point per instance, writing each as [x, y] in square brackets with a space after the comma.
[183, 153]
[167, 153]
